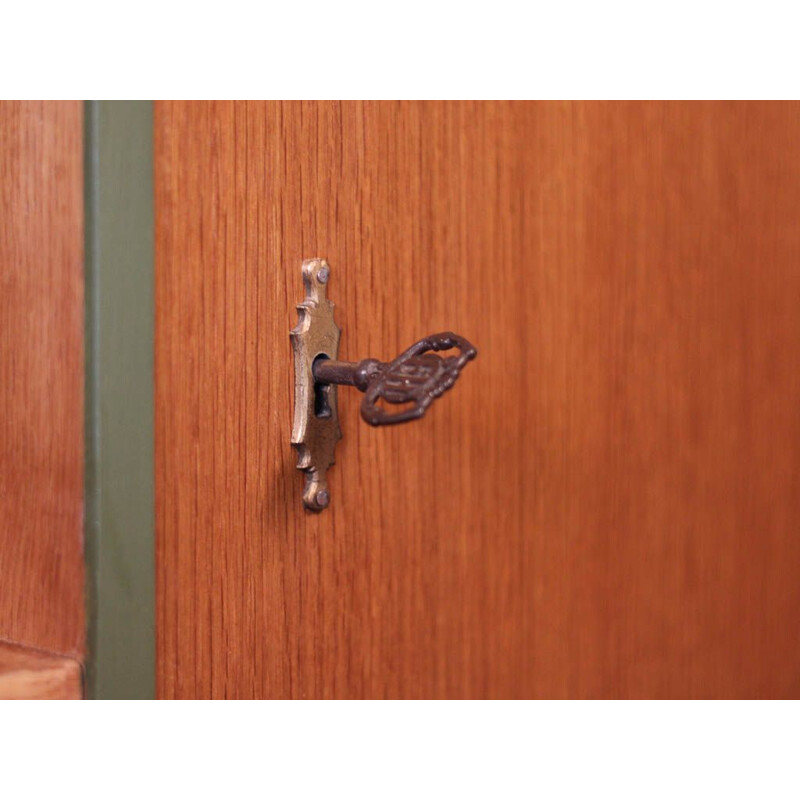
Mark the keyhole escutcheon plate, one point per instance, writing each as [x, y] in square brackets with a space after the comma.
[316, 430]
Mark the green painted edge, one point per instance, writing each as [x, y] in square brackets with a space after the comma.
[119, 492]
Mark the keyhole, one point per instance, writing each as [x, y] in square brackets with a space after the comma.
[322, 405]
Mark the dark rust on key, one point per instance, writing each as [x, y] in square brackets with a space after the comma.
[416, 376]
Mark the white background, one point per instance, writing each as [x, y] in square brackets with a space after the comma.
[387, 750]
[409, 49]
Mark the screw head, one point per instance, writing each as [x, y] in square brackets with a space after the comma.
[323, 275]
[323, 499]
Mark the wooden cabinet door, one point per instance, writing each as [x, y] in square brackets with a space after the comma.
[42, 620]
[608, 502]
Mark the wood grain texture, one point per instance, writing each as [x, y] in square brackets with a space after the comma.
[41, 376]
[607, 505]
[27, 674]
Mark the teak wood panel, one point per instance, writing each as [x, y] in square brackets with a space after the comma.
[41, 376]
[36, 675]
[606, 505]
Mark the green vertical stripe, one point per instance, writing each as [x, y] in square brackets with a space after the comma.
[120, 514]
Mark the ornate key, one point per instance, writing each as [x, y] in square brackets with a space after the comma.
[416, 377]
